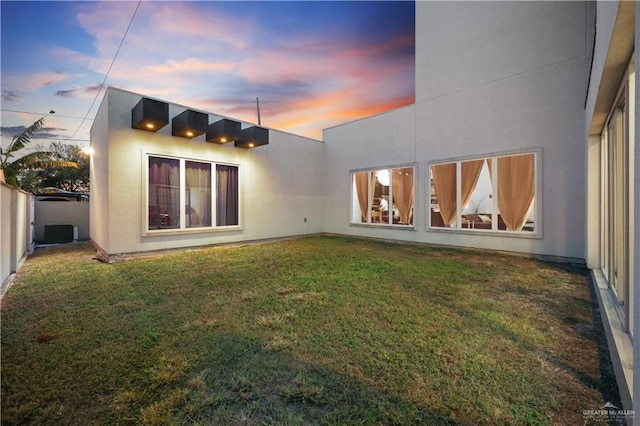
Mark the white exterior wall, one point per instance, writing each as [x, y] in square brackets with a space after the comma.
[380, 141]
[6, 218]
[22, 226]
[490, 78]
[15, 231]
[279, 182]
[99, 177]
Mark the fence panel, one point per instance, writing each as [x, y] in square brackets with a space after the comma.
[16, 240]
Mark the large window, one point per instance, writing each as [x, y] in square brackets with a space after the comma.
[180, 194]
[492, 193]
[383, 196]
[617, 191]
[227, 195]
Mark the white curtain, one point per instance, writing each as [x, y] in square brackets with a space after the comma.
[198, 182]
[402, 181]
[164, 193]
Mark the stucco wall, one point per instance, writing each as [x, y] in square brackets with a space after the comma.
[6, 214]
[73, 212]
[280, 184]
[99, 177]
[464, 44]
[15, 230]
[490, 78]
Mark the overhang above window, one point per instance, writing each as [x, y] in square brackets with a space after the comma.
[150, 115]
[224, 131]
[189, 124]
[252, 137]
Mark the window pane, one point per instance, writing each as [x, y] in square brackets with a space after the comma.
[164, 193]
[443, 195]
[402, 190]
[198, 194]
[380, 207]
[226, 195]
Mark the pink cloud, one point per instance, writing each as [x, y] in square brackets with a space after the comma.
[32, 82]
[335, 65]
[309, 116]
[152, 91]
[183, 18]
[175, 49]
[190, 65]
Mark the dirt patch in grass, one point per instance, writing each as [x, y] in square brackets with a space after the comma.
[322, 330]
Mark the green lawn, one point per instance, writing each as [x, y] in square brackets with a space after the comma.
[320, 330]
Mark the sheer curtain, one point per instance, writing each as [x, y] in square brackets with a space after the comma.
[516, 189]
[444, 182]
[226, 195]
[365, 191]
[402, 182]
[198, 185]
[470, 174]
[164, 193]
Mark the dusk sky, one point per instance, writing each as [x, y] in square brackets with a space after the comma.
[312, 64]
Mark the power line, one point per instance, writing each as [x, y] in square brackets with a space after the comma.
[109, 70]
[41, 113]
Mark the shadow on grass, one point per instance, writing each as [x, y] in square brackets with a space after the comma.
[239, 380]
[586, 325]
[594, 331]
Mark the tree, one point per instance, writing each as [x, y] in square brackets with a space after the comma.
[75, 179]
[34, 160]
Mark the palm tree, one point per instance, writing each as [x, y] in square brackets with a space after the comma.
[35, 160]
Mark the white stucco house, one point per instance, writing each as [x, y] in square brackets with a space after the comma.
[521, 138]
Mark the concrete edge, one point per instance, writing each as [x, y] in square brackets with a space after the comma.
[105, 257]
[618, 340]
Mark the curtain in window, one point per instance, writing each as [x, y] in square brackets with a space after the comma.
[227, 195]
[470, 174]
[516, 189]
[444, 182]
[365, 192]
[164, 193]
[361, 179]
[402, 182]
[198, 197]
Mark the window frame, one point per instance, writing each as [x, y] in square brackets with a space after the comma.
[616, 196]
[183, 229]
[411, 226]
[537, 233]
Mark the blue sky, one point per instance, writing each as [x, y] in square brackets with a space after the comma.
[312, 64]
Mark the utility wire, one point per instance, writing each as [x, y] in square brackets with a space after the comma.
[39, 113]
[109, 70]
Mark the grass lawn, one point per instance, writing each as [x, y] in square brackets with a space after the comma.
[319, 330]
